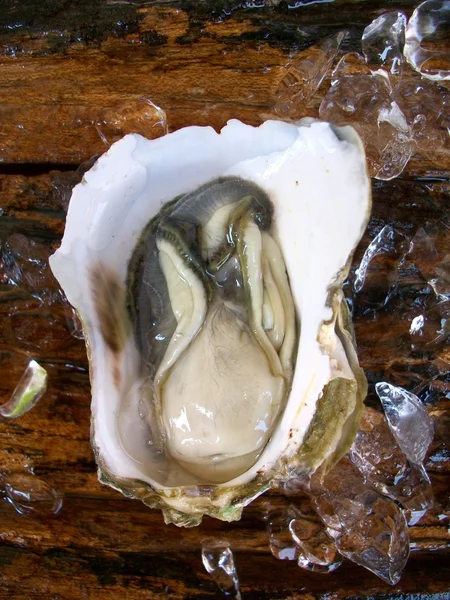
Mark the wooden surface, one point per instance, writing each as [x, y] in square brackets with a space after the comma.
[65, 67]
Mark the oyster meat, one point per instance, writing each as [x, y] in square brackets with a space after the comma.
[207, 270]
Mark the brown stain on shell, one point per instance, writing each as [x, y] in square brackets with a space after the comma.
[109, 299]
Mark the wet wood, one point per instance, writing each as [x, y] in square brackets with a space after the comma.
[73, 574]
[104, 541]
[67, 70]
[73, 68]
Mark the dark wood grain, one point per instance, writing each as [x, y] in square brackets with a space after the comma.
[72, 66]
[65, 69]
[103, 541]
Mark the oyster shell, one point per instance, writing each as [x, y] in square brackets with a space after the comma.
[207, 270]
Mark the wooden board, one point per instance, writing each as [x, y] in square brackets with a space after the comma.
[67, 68]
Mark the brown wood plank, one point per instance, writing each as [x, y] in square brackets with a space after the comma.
[100, 518]
[67, 574]
[97, 526]
[68, 71]
[202, 65]
[81, 551]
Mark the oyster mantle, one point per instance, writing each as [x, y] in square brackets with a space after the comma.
[311, 180]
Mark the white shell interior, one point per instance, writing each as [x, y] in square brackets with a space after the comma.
[320, 190]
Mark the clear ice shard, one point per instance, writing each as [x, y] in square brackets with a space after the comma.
[24, 265]
[376, 538]
[377, 273]
[365, 102]
[426, 43]
[32, 496]
[385, 467]
[348, 65]
[430, 251]
[296, 532]
[304, 76]
[381, 243]
[28, 392]
[133, 116]
[218, 560]
[417, 325]
[408, 419]
[281, 543]
[383, 41]
[369, 529]
[432, 329]
[318, 551]
[425, 105]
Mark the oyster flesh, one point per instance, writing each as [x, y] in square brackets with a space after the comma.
[207, 270]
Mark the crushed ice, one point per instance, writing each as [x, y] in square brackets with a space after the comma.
[426, 35]
[304, 76]
[383, 41]
[297, 533]
[396, 117]
[385, 467]
[361, 509]
[218, 560]
[408, 420]
[27, 393]
[31, 496]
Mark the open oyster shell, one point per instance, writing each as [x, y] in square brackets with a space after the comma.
[207, 270]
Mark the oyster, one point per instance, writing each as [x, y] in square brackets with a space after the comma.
[207, 270]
